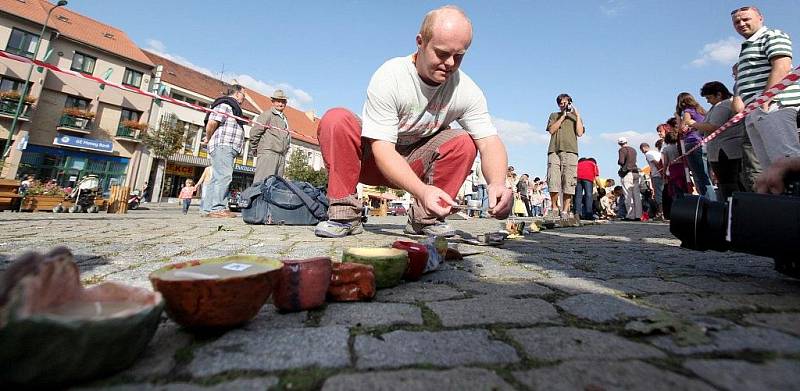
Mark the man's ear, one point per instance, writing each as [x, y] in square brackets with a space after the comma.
[419, 41]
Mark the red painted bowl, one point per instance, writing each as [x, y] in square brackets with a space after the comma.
[301, 284]
[417, 258]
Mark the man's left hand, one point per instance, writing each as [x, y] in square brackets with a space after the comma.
[501, 199]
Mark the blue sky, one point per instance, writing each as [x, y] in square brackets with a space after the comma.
[623, 61]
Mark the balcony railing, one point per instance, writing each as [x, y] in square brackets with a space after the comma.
[8, 107]
[129, 133]
[71, 122]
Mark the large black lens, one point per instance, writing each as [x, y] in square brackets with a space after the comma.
[700, 224]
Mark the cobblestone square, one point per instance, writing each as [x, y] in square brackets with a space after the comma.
[551, 310]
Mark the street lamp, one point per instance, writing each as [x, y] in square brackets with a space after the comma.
[17, 113]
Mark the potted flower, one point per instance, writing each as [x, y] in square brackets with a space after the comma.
[9, 100]
[129, 128]
[76, 118]
[43, 196]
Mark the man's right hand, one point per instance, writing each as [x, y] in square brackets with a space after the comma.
[435, 201]
[773, 180]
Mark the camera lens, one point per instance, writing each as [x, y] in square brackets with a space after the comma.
[700, 224]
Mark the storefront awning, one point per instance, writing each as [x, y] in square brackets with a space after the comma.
[205, 162]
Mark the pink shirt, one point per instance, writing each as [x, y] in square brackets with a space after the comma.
[187, 192]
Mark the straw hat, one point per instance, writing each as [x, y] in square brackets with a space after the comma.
[279, 95]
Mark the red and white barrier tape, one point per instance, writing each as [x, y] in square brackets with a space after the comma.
[135, 90]
[788, 80]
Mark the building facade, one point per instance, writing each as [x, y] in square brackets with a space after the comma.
[74, 126]
[188, 85]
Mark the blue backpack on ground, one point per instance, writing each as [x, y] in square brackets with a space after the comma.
[283, 202]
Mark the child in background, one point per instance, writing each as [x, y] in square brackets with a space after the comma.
[186, 195]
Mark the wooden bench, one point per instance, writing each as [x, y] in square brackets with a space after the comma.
[9, 193]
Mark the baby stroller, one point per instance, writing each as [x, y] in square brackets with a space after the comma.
[83, 196]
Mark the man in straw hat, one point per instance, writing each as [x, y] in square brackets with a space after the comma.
[404, 138]
[270, 141]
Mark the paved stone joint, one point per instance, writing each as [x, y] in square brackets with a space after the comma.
[548, 311]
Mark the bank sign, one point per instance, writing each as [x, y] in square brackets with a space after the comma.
[83, 143]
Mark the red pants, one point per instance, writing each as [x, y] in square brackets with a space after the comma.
[443, 160]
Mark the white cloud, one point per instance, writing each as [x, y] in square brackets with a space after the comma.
[298, 98]
[634, 138]
[517, 132]
[724, 51]
[613, 7]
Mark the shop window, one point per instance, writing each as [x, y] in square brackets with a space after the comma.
[77, 103]
[9, 84]
[83, 63]
[68, 167]
[22, 43]
[132, 78]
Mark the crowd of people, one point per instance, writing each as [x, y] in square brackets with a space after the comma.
[678, 162]
[403, 139]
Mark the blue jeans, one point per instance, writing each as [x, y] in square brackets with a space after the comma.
[483, 195]
[698, 165]
[222, 165]
[186, 202]
[583, 199]
[537, 210]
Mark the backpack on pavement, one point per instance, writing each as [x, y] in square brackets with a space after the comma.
[280, 201]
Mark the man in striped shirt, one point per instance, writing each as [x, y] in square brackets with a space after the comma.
[765, 58]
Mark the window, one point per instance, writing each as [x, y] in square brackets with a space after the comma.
[187, 99]
[130, 115]
[132, 78]
[22, 43]
[78, 103]
[83, 63]
[7, 84]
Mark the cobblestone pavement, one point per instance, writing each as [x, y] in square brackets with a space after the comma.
[571, 308]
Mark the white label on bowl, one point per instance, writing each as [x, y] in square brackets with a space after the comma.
[237, 267]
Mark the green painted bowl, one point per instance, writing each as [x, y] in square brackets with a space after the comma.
[389, 263]
[54, 333]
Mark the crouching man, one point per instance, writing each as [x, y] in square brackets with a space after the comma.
[405, 140]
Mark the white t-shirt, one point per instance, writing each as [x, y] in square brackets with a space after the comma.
[402, 109]
[653, 157]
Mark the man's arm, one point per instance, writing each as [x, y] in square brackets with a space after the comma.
[621, 159]
[579, 129]
[211, 127]
[494, 162]
[395, 168]
[256, 132]
[781, 66]
[553, 127]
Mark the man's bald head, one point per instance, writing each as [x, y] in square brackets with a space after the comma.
[448, 17]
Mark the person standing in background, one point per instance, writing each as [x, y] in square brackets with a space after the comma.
[564, 126]
[629, 174]
[270, 139]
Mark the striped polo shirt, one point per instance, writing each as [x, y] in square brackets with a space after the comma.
[754, 66]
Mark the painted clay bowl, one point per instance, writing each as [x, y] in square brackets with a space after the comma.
[301, 284]
[417, 258]
[217, 292]
[389, 263]
[351, 282]
[54, 333]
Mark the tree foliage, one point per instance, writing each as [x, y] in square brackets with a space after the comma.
[298, 169]
[167, 139]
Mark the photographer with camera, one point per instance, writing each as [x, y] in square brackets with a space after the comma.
[564, 126]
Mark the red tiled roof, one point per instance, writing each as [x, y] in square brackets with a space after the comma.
[77, 27]
[192, 80]
[203, 84]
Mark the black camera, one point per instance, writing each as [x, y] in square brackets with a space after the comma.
[759, 224]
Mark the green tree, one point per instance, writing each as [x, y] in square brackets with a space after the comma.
[167, 139]
[298, 169]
